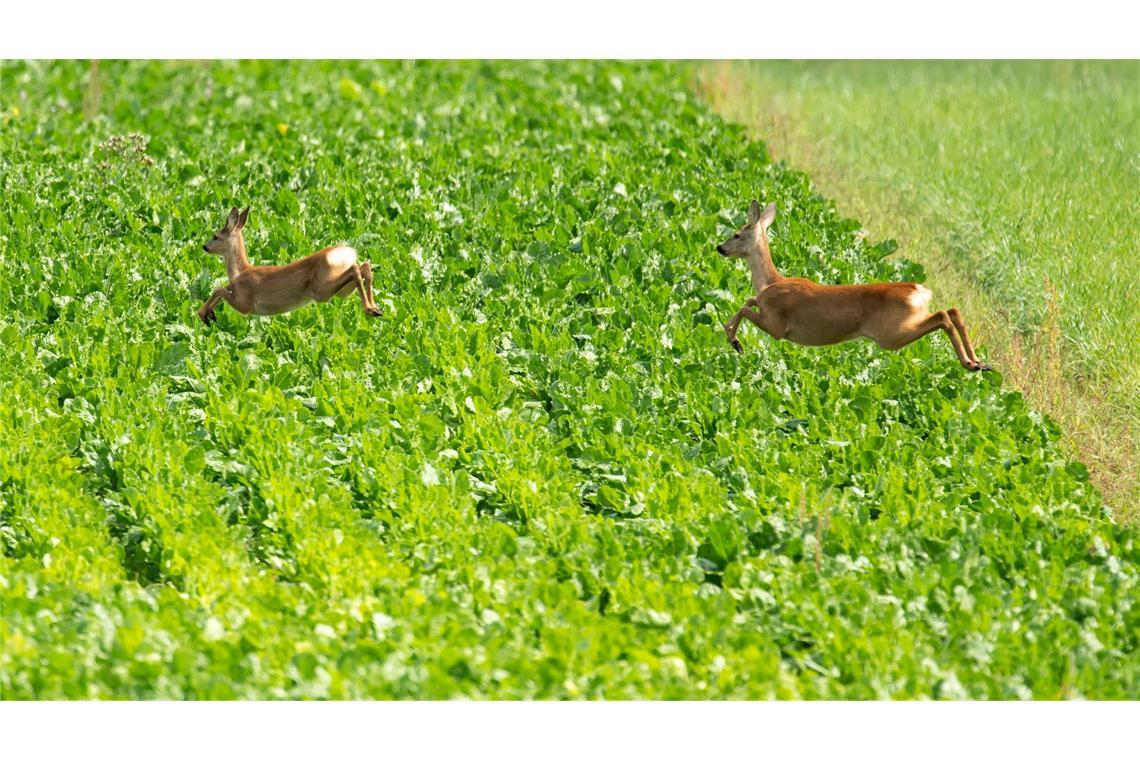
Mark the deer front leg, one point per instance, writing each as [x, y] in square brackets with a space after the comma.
[732, 325]
[206, 313]
[757, 318]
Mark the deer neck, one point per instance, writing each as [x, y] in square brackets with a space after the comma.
[236, 260]
[760, 262]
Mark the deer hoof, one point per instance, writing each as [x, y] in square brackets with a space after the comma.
[985, 368]
[736, 345]
[375, 312]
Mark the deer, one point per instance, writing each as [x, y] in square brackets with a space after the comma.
[892, 314]
[265, 290]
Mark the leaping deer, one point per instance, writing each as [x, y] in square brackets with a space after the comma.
[893, 314]
[276, 289]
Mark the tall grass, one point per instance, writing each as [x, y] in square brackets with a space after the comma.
[1016, 184]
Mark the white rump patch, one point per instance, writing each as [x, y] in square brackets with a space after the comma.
[341, 257]
[921, 296]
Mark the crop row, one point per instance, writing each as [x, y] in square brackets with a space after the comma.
[543, 473]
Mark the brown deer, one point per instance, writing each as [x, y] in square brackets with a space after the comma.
[276, 289]
[893, 314]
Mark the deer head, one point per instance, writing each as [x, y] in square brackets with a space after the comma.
[226, 239]
[747, 239]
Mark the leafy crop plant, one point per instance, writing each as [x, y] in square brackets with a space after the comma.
[540, 474]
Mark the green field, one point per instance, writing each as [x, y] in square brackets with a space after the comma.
[542, 473]
[1017, 185]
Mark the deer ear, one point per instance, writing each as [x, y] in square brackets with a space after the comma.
[753, 212]
[242, 219]
[768, 216]
[231, 222]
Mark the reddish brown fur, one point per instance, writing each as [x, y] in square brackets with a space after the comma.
[893, 314]
[266, 290]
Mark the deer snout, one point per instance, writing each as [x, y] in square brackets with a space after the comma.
[206, 248]
[720, 250]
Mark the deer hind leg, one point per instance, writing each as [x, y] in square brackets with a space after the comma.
[350, 279]
[366, 274]
[907, 334]
[960, 326]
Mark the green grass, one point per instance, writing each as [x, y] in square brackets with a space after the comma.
[543, 473]
[1016, 184]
